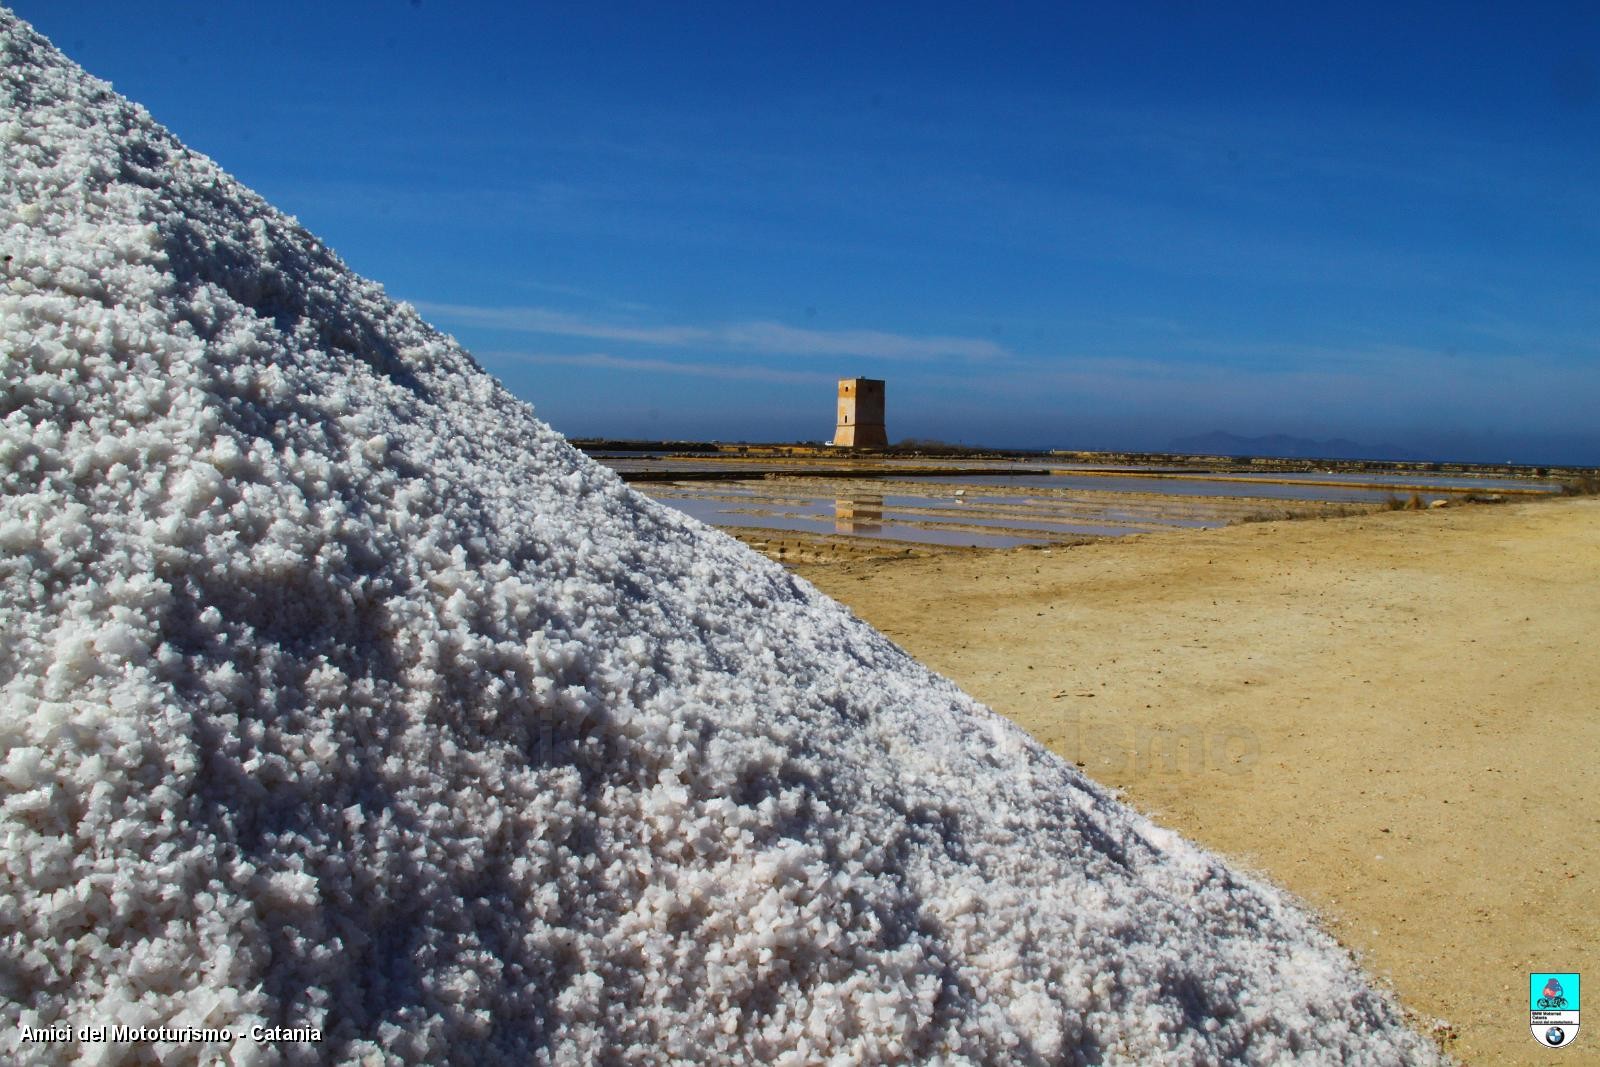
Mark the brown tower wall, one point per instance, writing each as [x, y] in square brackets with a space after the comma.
[860, 422]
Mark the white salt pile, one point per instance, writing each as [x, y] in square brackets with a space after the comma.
[341, 694]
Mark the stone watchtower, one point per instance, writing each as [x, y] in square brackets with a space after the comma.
[860, 414]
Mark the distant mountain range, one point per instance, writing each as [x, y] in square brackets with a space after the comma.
[1218, 443]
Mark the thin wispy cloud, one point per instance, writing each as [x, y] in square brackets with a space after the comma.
[764, 338]
[589, 296]
[607, 361]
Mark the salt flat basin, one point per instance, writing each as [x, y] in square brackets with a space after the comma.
[980, 520]
[965, 502]
[1411, 478]
[831, 519]
[998, 471]
[1322, 487]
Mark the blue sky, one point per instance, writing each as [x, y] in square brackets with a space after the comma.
[1101, 225]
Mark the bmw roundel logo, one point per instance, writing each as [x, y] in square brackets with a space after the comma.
[1554, 1036]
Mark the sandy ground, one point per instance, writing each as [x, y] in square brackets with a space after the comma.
[1395, 716]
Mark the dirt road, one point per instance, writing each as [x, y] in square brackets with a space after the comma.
[1395, 716]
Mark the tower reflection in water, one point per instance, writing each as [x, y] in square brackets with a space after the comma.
[858, 515]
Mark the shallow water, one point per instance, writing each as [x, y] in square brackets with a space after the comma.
[957, 509]
[720, 513]
[1410, 478]
[944, 520]
[1194, 486]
